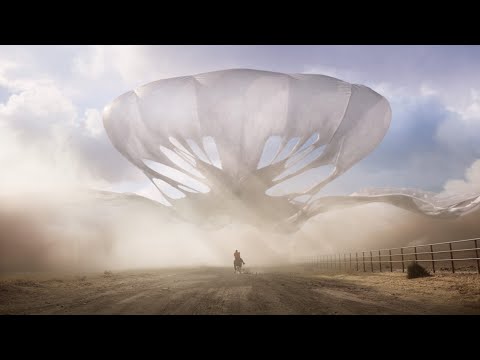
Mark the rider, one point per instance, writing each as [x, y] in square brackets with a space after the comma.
[237, 257]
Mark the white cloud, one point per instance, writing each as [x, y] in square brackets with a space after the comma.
[391, 92]
[36, 124]
[386, 89]
[342, 74]
[426, 90]
[471, 184]
[93, 64]
[93, 122]
[457, 133]
[42, 166]
[15, 83]
[472, 109]
[5, 65]
[465, 104]
[44, 140]
[134, 64]
[40, 100]
[38, 112]
[461, 129]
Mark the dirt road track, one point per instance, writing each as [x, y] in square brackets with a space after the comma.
[219, 291]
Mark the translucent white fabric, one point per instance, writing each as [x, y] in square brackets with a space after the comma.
[243, 142]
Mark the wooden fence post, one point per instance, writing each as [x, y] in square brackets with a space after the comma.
[380, 259]
[433, 259]
[476, 252]
[371, 261]
[403, 263]
[363, 260]
[391, 264]
[451, 257]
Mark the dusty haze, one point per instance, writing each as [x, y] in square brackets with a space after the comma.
[92, 231]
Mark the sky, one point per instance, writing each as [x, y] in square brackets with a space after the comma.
[52, 98]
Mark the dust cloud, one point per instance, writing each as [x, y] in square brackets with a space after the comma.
[95, 231]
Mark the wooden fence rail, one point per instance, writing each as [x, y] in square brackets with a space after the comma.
[388, 258]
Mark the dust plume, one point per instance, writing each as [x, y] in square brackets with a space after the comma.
[94, 231]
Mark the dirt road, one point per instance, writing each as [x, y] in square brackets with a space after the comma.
[219, 291]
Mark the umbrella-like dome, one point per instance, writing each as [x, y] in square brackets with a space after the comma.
[243, 142]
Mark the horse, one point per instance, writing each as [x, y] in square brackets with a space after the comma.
[237, 265]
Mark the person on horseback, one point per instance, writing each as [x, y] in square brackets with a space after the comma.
[237, 263]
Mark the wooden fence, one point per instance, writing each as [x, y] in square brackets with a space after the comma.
[433, 256]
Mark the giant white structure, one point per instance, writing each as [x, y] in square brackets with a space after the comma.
[258, 145]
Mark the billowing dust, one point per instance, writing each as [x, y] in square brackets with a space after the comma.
[91, 230]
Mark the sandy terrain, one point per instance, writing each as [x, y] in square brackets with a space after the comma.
[219, 291]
